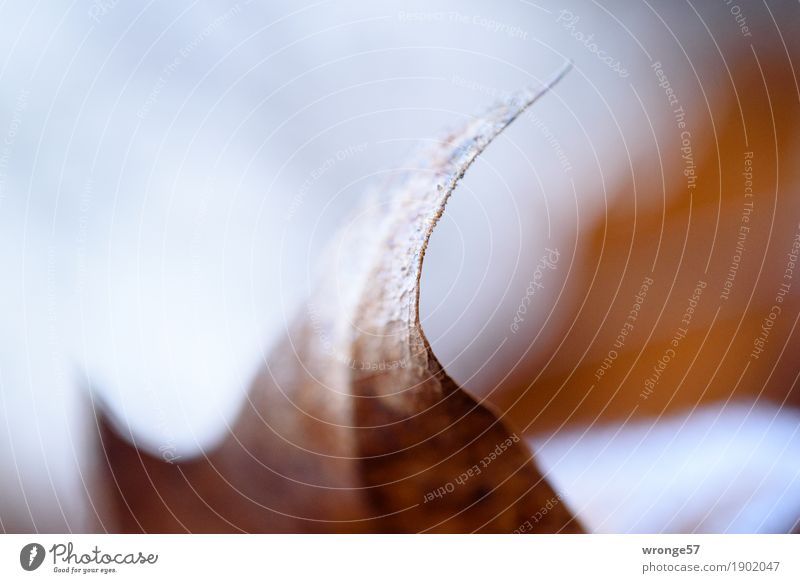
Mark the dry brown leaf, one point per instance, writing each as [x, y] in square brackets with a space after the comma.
[353, 425]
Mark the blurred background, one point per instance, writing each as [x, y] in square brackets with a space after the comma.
[170, 172]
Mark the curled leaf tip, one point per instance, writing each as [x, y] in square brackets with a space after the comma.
[353, 425]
